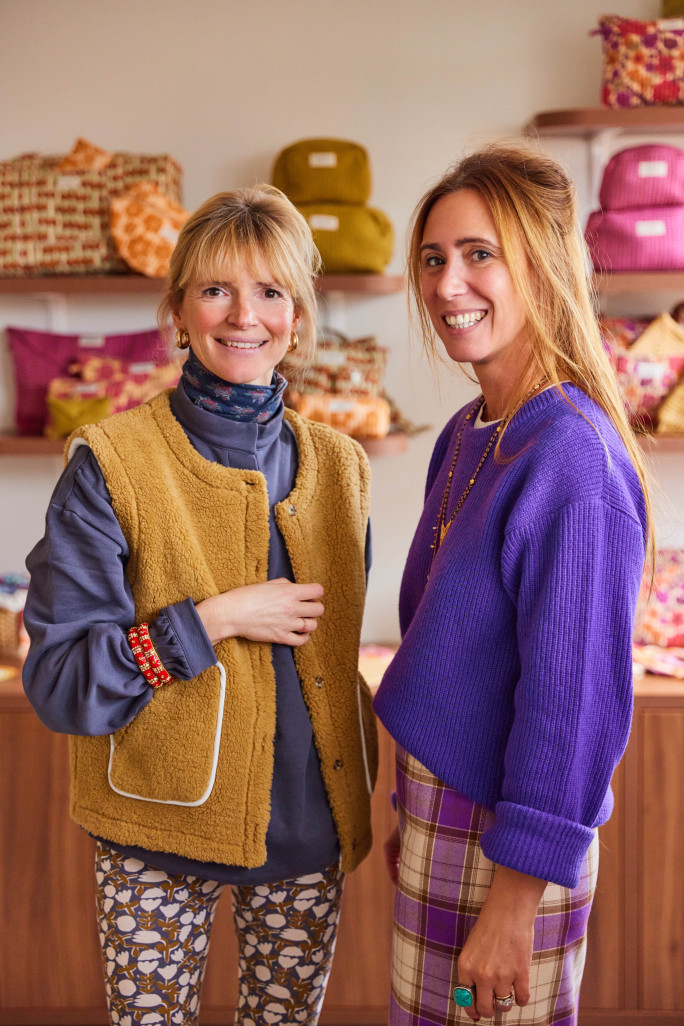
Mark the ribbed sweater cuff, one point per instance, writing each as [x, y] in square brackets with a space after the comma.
[537, 843]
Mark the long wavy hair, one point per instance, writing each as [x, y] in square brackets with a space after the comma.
[533, 205]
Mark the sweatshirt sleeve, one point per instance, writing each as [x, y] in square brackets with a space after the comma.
[80, 674]
[574, 577]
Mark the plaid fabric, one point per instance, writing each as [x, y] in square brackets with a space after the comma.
[444, 880]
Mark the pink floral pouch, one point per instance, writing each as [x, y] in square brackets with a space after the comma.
[660, 617]
[643, 61]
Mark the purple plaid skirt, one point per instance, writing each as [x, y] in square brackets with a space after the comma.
[444, 880]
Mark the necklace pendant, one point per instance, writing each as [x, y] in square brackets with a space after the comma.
[442, 532]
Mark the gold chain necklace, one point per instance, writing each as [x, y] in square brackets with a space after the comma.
[442, 525]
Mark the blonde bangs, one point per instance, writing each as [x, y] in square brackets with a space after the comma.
[257, 229]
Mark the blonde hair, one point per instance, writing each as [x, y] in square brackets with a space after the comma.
[534, 208]
[257, 225]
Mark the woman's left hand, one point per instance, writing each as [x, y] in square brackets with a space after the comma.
[497, 955]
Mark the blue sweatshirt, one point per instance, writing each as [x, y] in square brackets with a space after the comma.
[83, 679]
[513, 680]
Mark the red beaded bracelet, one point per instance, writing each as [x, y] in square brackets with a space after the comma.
[146, 656]
[151, 653]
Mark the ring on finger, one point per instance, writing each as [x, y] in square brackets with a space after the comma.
[504, 1004]
[464, 996]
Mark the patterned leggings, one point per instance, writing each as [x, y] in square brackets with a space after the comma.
[155, 928]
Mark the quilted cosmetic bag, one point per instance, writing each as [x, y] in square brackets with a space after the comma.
[363, 416]
[646, 239]
[643, 61]
[145, 224]
[351, 239]
[331, 170]
[661, 338]
[643, 176]
[622, 332]
[650, 368]
[56, 221]
[660, 618]
[671, 411]
[101, 386]
[645, 382]
[341, 366]
[40, 356]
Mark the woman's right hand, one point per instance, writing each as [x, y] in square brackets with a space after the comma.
[392, 847]
[277, 611]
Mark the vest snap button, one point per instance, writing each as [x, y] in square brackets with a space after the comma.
[292, 509]
[338, 764]
[318, 682]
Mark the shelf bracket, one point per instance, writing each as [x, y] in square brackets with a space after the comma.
[56, 307]
[333, 311]
[599, 145]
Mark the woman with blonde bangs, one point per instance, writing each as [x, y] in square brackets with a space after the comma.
[195, 626]
[510, 696]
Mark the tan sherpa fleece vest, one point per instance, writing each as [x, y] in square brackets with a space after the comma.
[192, 772]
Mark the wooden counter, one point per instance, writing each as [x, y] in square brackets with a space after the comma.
[50, 962]
[49, 953]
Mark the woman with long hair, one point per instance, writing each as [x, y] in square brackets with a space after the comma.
[510, 696]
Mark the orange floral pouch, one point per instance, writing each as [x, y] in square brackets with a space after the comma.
[145, 224]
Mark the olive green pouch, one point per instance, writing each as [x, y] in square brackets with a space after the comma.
[330, 170]
[351, 238]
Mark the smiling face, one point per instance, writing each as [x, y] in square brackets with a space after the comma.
[239, 324]
[468, 289]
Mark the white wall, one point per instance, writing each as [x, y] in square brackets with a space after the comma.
[223, 85]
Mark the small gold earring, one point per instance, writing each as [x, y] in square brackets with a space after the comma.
[294, 342]
[182, 339]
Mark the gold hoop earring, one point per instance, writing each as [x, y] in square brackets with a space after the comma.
[294, 342]
[182, 339]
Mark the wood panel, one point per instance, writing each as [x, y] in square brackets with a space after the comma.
[662, 856]
[49, 949]
[50, 961]
[359, 982]
[603, 982]
[50, 971]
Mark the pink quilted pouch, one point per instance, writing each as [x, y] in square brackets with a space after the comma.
[647, 239]
[40, 356]
[660, 619]
[643, 176]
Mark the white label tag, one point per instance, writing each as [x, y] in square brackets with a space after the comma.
[86, 387]
[329, 359]
[141, 368]
[652, 169]
[91, 342]
[169, 234]
[645, 229]
[67, 182]
[340, 406]
[324, 222]
[652, 371]
[325, 159]
[668, 24]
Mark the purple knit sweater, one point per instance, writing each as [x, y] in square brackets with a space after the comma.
[513, 681]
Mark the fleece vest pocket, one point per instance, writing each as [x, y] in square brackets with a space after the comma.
[169, 752]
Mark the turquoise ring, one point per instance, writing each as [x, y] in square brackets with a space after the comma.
[464, 996]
